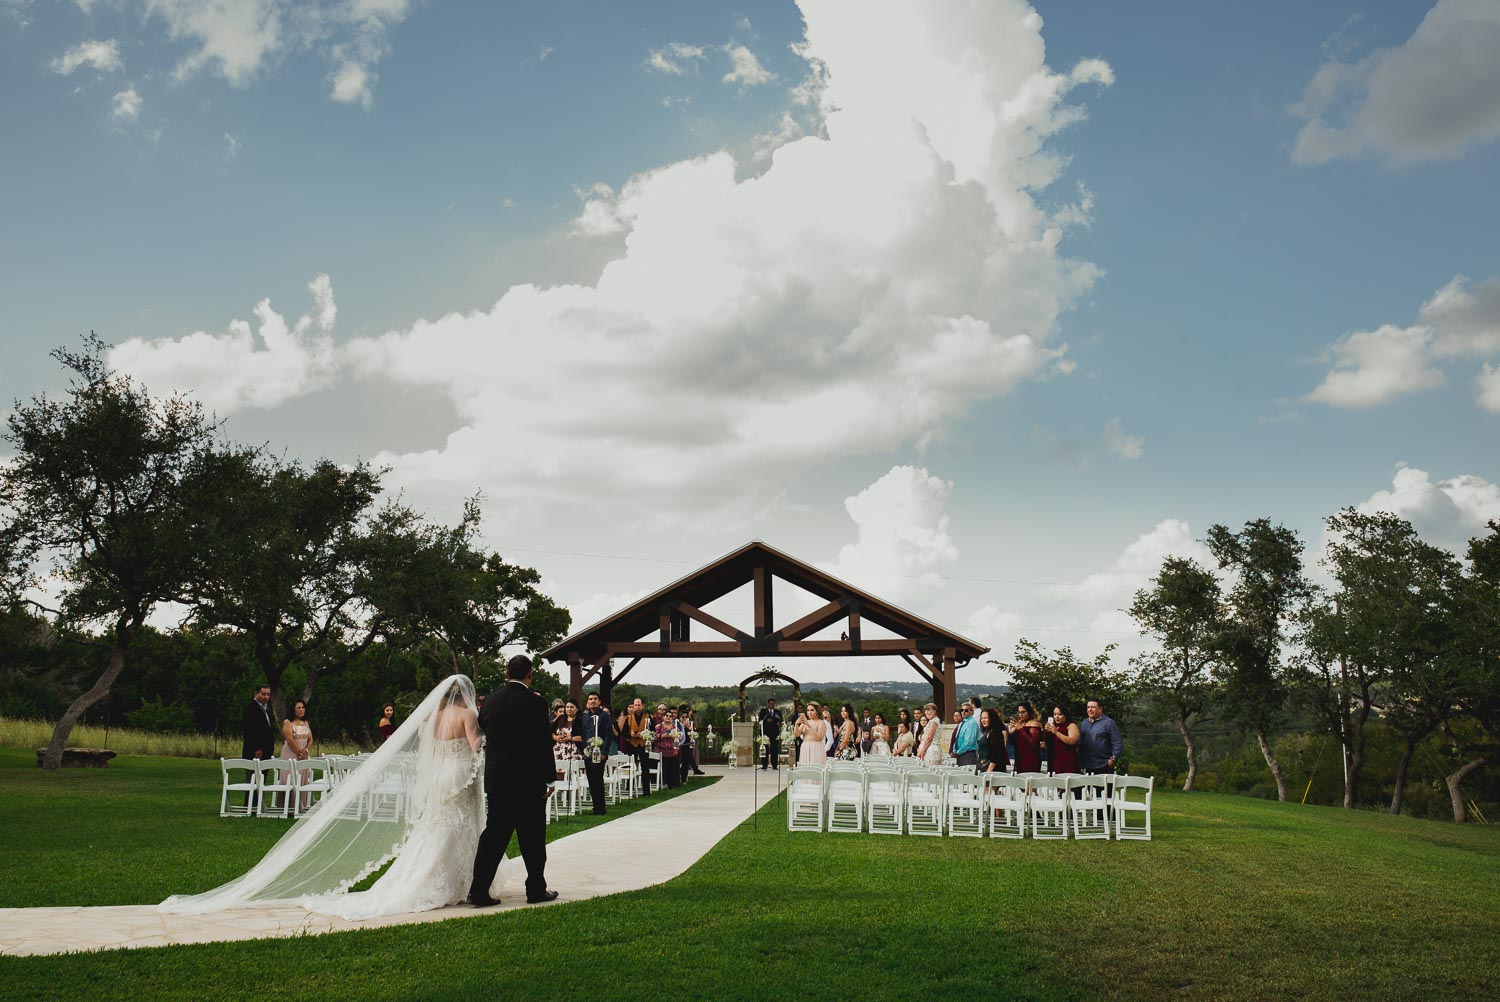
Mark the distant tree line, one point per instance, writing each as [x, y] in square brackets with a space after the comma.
[126, 506]
[1402, 645]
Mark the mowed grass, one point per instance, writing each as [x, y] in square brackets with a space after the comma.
[1235, 898]
[142, 829]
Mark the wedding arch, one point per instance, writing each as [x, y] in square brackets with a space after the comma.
[769, 674]
[661, 626]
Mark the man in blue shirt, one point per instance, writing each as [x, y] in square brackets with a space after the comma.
[1099, 742]
[966, 741]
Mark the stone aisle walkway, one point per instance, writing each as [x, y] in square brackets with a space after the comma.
[660, 842]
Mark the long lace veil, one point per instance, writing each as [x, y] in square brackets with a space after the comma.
[362, 823]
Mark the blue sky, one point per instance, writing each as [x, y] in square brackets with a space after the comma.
[1248, 201]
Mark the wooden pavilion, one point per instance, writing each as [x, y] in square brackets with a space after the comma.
[661, 626]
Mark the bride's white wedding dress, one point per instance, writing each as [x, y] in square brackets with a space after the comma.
[419, 801]
[434, 867]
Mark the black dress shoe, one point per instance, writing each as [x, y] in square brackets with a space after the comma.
[544, 896]
[481, 900]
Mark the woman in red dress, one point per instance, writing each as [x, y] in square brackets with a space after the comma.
[1063, 735]
[1026, 730]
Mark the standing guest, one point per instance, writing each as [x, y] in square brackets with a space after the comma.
[692, 716]
[930, 750]
[966, 739]
[559, 713]
[387, 722]
[906, 744]
[848, 740]
[866, 725]
[797, 735]
[880, 737]
[830, 732]
[667, 747]
[518, 777]
[991, 748]
[958, 718]
[594, 723]
[811, 731]
[685, 746]
[1026, 730]
[1100, 742]
[637, 727]
[1063, 737]
[567, 733]
[770, 725]
[259, 732]
[905, 717]
[297, 741]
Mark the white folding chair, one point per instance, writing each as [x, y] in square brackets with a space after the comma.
[1125, 806]
[1005, 798]
[314, 783]
[1088, 806]
[233, 785]
[846, 798]
[1047, 803]
[804, 799]
[387, 797]
[273, 776]
[924, 803]
[963, 803]
[654, 760]
[884, 787]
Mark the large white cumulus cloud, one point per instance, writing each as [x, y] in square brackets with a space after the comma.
[862, 291]
[241, 369]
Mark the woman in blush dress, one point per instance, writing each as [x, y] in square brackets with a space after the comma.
[296, 745]
[931, 748]
[1063, 735]
[906, 744]
[1026, 729]
[880, 738]
[812, 731]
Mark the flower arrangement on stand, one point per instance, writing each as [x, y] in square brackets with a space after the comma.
[595, 750]
[731, 748]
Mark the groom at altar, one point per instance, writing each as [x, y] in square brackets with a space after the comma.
[519, 771]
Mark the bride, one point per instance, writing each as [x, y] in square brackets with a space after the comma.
[418, 800]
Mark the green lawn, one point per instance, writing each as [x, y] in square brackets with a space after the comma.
[142, 829]
[1235, 898]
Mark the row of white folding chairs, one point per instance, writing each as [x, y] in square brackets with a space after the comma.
[622, 781]
[848, 797]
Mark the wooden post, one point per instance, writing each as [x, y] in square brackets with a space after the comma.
[607, 683]
[575, 679]
[764, 612]
[950, 682]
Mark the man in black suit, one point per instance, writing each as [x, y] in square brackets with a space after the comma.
[770, 726]
[595, 722]
[518, 775]
[259, 732]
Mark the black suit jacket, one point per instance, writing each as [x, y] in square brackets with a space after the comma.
[770, 722]
[517, 740]
[260, 733]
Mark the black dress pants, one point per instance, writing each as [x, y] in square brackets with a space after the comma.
[773, 752]
[595, 773]
[513, 809]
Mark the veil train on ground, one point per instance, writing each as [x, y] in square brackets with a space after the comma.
[364, 822]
